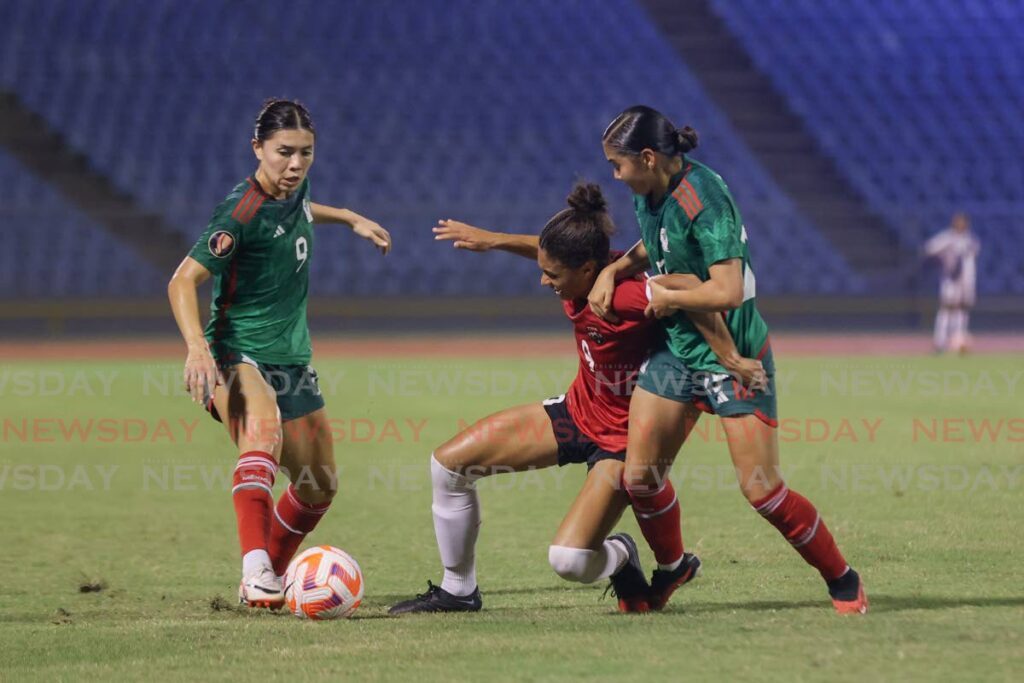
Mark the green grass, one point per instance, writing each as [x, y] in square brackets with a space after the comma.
[933, 524]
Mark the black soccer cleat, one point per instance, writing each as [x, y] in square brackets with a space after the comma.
[664, 583]
[436, 599]
[847, 593]
[629, 584]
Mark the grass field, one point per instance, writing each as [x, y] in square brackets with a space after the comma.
[924, 497]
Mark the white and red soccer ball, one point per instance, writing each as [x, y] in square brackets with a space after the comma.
[323, 582]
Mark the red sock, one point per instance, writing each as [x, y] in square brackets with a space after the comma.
[293, 519]
[657, 513]
[253, 497]
[797, 519]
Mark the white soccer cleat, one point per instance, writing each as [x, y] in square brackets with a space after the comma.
[263, 588]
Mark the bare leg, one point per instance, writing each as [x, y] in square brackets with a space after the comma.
[580, 550]
[307, 456]
[596, 510]
[657, 429]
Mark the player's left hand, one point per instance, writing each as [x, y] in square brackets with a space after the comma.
[657, 295]
[369, 230]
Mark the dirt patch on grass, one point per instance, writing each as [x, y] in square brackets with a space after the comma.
[91, 585]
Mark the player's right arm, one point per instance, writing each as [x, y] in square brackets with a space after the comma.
[471, 238]
[602, 293]
[936, 244]
[200, 369]
[211, 255]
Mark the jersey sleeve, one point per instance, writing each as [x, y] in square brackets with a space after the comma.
[630, 299]
[936, 243]
[221, 240]
[716, 230]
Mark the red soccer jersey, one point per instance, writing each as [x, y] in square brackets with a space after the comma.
[610, 358]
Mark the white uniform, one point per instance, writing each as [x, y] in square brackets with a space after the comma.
[957, 252]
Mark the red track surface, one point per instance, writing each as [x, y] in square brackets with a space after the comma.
[490, 346]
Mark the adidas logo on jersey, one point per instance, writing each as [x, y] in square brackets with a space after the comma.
[279, 231]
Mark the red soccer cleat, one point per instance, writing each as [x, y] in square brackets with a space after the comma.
[665, 583]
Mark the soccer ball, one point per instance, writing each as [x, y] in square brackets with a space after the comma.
[323, 582]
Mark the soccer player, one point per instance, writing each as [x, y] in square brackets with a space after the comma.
[250, 367]
[956, 248]
[587, 424]
[689, 223]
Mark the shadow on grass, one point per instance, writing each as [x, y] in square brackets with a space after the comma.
[899, 603]
[395, 597]
[878, 603]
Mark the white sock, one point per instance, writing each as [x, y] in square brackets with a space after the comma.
[941, 334]
[672, 566]
[254, 560]
[456, 511]
[587, 566]
[958, 333]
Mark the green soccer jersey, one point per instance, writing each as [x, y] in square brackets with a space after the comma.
[258, 250]
[695, 225]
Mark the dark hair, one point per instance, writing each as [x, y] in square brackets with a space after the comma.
[581, 232]
[282, 115]
[639, 128]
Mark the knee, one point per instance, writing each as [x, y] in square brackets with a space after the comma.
[445, 456]
[446, 479]
[644, 478]
[260, 431]
[572, 564]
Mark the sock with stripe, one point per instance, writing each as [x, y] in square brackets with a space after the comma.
[293, 519]
[252, 494]
[657, 512]
[798, 520]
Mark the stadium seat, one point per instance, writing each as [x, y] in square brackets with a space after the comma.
[494, 127]
[918, 102]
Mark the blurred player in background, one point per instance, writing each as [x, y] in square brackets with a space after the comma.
[689, 223]
[956, 249]
[588, 425]
[250, 367]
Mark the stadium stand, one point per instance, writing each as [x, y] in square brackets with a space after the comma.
[486, 112]
[52, 250]
[919, 103]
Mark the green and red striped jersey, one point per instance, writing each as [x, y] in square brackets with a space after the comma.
[695, 225]
[258, 250]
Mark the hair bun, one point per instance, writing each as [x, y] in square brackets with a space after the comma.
[587, 198]
[686, 139]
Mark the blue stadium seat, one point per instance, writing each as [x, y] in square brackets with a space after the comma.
[413, 126]
[55, 251]
[917, 101]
